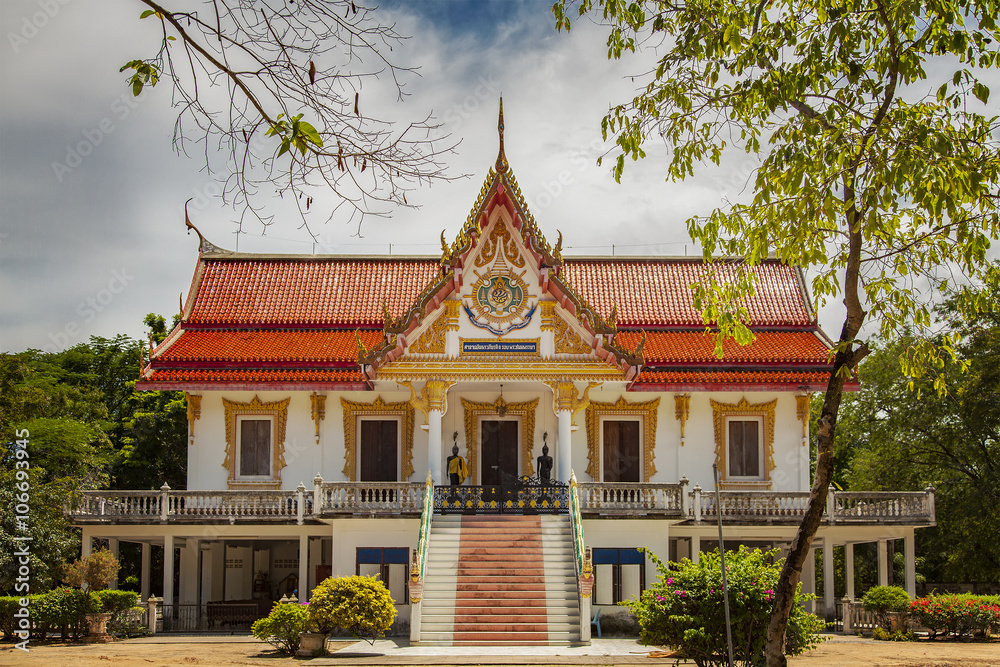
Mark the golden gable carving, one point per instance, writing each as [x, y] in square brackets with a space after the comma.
[500, 241]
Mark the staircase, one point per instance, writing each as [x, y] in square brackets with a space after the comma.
[505, 580]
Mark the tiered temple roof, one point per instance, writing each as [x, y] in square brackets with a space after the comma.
[329, 322]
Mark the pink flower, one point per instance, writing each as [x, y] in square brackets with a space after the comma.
[670, 580]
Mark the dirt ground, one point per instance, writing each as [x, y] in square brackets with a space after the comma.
[839, 652]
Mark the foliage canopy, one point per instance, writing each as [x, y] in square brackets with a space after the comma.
[877, 163]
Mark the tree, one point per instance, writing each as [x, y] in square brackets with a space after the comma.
[275, 89]
[884, 192]
[908, 438]
[361, 605]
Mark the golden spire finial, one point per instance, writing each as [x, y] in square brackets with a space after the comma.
[501, 158]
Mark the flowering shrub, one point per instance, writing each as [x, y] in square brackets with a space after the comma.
[883, 601]
[956, 614]
[282, 626]
[360, 605]
[684, 608]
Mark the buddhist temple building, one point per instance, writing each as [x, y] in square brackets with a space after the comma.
[328, 395]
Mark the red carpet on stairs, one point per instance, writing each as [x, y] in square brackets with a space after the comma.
[500, 594]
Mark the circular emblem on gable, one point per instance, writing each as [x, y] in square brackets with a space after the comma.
[500, 297]
[500, 302]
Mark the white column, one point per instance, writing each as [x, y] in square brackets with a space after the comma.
[189, 572]
[849, 568]
[315, 558]
[883, 557]
[829, 585]
[217, 569]
[434, 445]
[86, 543]
[144, 573]
[564, 453]
[303, 568]
[809, 579]
[113, 548]
[695, 548]
[909, 558]
[168, 572]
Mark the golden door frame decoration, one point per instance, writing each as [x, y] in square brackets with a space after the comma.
[646, 411]
[722, 411]
[278, 411]
[377, 408]
[525, 410]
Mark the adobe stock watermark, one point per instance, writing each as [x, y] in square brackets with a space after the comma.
[121, 108]
[554, 189]
[30, 25]
[89, 309]
[22, 555]
[487, 90]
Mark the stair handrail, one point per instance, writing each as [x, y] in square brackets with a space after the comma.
[426, 512]
[574, 512]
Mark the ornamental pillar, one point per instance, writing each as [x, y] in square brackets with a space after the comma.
[565, 397]
[437, 405]
[564, 449]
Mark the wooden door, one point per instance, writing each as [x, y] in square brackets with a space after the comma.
[621, 451]
[255, 447]
[499, 449]
[379, 447]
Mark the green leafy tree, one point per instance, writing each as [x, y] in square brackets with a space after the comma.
[884, 601]
[360, 605]
[901, 434]
[883, 192]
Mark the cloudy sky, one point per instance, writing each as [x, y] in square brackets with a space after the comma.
[91, 246]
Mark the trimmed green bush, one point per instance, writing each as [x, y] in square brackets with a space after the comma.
[883, 601]
[8, 605]
[684, 609]
[118, 604]
[62, 608]
[282, 626]
[957, 614]
[360, 605]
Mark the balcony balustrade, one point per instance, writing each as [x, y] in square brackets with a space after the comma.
[394, 499]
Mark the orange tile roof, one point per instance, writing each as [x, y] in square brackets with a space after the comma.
[657, 292]
[734, 379]
[348, 292]
[304, 291]
[686, 347]
[258, 377]
[267, 345]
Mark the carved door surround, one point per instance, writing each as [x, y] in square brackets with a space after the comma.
[474, 410]
[765, 411]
